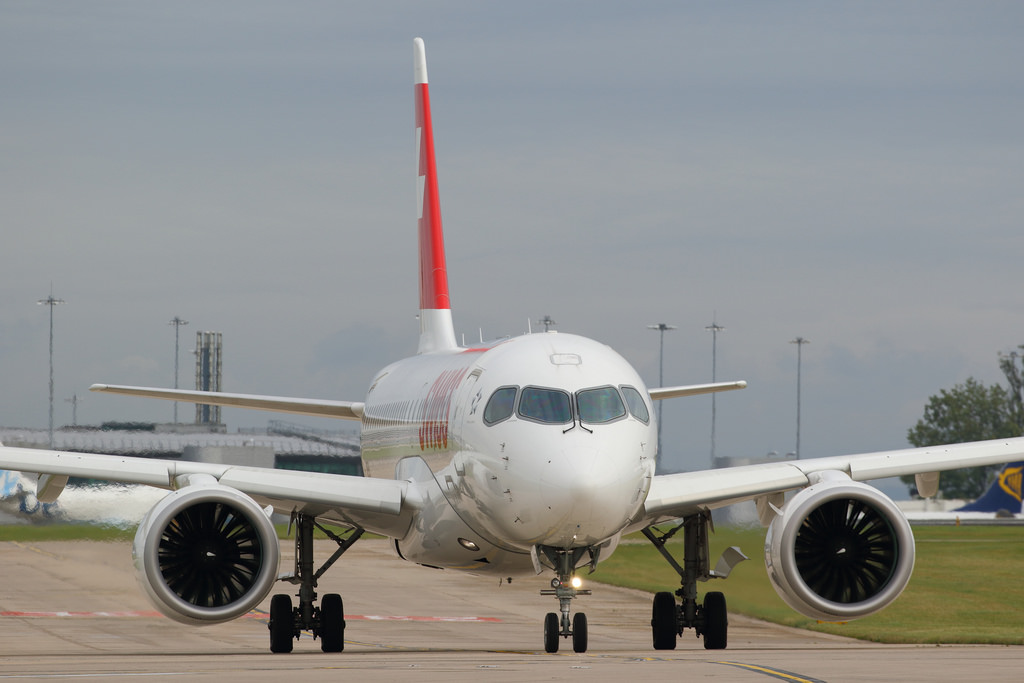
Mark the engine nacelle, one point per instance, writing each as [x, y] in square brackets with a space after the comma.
[206, 554]
[839, 550]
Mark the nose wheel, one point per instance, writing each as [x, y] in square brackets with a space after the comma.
[565, 587]
[555, 628]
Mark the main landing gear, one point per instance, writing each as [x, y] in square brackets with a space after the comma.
[327, 622]
[566, 587]
[709, 619]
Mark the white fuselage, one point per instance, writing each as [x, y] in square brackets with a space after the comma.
[562, 456]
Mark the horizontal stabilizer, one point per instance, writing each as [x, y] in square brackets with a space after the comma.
[345, 410]
[695, 389]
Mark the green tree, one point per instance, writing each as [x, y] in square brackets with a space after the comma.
[968, 412]
[1015, 381]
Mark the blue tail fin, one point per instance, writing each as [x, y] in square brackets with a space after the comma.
[1003, 494]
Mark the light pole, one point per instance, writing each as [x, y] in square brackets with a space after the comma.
[714, 328]
[547, 321]
[799, 341]
[74, 408]
[662, 328]
[177, 322]
[51, 302]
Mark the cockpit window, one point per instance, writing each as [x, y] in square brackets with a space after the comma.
[500, 405]
[637, 406]
[600, 405]
[545, 405]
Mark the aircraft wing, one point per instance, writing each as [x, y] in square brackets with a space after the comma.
[381, 506]
[674, 495]
[346, 410]
[694, 389]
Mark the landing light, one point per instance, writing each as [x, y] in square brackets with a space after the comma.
[469, 545]
[576, 582]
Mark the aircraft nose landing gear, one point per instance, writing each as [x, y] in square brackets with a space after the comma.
[565, 587]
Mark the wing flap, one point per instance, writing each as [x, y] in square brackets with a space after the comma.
[345, 410]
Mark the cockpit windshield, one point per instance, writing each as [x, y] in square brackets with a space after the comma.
[636, 404]
[545, 405]
[501, 405]
[599, 405]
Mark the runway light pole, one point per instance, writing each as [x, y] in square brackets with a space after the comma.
[799, 341]
[714, 328]
[74, 408]
[177, 322]
[662, 328]
[51, 302]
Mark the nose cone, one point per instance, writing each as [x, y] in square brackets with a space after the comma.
[588, 496]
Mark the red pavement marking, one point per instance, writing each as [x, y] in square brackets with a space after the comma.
[250, 615]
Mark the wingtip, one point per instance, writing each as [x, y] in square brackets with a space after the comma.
[419, 61]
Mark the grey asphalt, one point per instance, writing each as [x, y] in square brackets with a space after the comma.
[74, 609]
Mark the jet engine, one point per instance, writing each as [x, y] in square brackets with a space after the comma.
[839, 550]
[206, 554]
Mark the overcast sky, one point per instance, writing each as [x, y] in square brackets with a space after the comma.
[850, 173]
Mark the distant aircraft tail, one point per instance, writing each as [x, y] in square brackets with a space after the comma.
[1003, 494]
[437, 333]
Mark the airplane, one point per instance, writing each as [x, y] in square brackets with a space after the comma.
[112, 505]
[1002, 500]
[524, 456]
[1003, 494]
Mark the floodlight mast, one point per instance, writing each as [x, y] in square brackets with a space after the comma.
[714, 328]
[51, 302]
[74, 408]
[662, 328]
[177, 322]
[799, 341]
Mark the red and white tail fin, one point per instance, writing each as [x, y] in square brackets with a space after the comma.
[437, 332]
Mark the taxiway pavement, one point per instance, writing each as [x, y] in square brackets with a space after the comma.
[74, 609]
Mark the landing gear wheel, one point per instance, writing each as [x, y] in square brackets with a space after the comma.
[716, 622]
[663, 621]
[282, 624]
[551, 632]
[579, 632]
[332, 623]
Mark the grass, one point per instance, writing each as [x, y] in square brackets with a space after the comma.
[63, 532]
[966, 586]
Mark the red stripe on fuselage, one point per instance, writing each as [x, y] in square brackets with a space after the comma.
[434, 422]
[433, 271]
